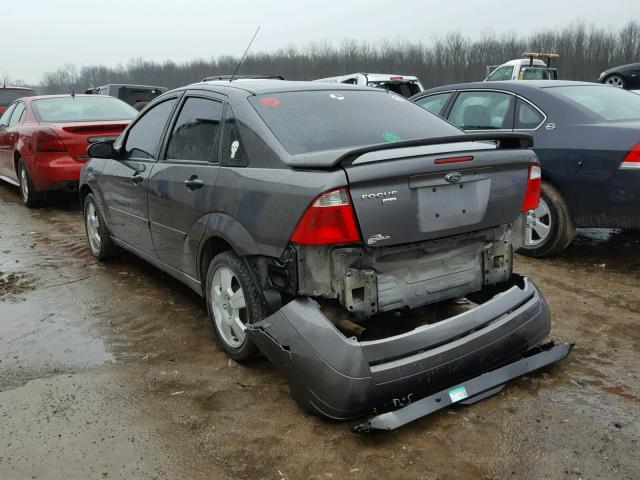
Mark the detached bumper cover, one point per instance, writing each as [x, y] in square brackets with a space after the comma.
[341, 378]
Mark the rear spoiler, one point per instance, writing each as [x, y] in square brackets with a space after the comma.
[503, 140]
[331, 158]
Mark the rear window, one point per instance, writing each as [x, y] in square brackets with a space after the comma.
[406, 89]
[609, 103]
[137, 95]
[82, 109]
[312, 121]
[8, 95]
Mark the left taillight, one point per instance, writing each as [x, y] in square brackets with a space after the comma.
[48, 141]
[532, 193]
[632, 158]
[328, 220]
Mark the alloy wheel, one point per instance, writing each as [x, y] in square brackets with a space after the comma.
[538, 224]
[228, 306]
[93, 227]
[615, 81]
[24, 184]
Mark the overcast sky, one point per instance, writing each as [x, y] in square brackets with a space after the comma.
[41, 35]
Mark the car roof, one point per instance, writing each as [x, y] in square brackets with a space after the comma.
[65, 95]
[7, 87]
[511, 85]
[263, 86]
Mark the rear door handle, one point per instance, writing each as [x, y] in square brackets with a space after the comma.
[193, 183]
[137, 179]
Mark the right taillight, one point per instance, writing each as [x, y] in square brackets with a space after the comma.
[48, 141]
[632, 158]
[328, 220]
[532, 193]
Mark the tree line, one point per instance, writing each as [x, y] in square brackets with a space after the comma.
[585, 50]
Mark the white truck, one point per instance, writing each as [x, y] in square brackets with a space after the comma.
[532, 66]
[405, 85]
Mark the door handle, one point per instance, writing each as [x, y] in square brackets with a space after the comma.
[193, 182]
[137, 179]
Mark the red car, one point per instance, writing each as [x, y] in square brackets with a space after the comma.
[44, 139]
[9, 94]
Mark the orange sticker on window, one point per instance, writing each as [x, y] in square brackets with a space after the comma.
[270, 102]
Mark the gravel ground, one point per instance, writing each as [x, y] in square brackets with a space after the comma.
[111, 371]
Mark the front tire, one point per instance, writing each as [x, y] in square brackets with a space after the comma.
[98, 236]
[550, 227]
[616, 81]
[233, 301]
[30, 197]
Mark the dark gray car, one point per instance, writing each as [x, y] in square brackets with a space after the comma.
[311, 215]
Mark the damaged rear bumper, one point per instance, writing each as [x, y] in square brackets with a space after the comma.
[341, 378]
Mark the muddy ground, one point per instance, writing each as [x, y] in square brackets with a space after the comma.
[111, 371]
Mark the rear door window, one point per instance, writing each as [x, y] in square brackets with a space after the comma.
[502, 73]
[434, 103]
[527, 116]
[195, 134]
[482, 111]
[17, 115]
[144, 136]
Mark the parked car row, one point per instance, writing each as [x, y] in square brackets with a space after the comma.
[319, 220]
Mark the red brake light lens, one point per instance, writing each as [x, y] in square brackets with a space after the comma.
[396, 77]
[532, 193]
[48, 141]
[632, 158]
[440, 161]
[328, 220]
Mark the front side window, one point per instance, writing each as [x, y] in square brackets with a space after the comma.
[608, 103]
[195, 134]
[501, 73]
[18, 113]
[144, 136]
[527, 117]
[482, 111]
[81, 108]
[434, 103]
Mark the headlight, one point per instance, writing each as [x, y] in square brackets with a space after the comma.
[602, 75]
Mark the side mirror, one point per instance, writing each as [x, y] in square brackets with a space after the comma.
[102, 150]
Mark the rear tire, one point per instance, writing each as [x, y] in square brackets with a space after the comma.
[30, 197]
[233, 300]
[550, 227]
[99, 239]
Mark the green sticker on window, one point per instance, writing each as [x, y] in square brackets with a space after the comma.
[391, 137]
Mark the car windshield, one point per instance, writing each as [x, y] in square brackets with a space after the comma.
[82, 109]
[8, 95]
[312, 121]
[609, 103]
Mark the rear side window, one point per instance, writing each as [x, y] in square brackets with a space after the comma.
[144, 136]
[527, 117]
[234, 153]
[609, 103]
[434, 103]
[312, 121]
[195, 134]
[482, 111]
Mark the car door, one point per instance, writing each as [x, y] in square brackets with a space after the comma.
[182, 182]
[124, 181]
[482, 110]
[8, 140]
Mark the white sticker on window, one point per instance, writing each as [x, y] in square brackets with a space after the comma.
[457, 394]
[234, 148]
[337, 96]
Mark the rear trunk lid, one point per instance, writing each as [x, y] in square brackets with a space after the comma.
[77, 136]
[413, 194]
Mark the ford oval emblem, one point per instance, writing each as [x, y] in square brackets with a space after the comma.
[453, 177]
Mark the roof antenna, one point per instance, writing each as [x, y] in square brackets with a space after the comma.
[244, 55]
